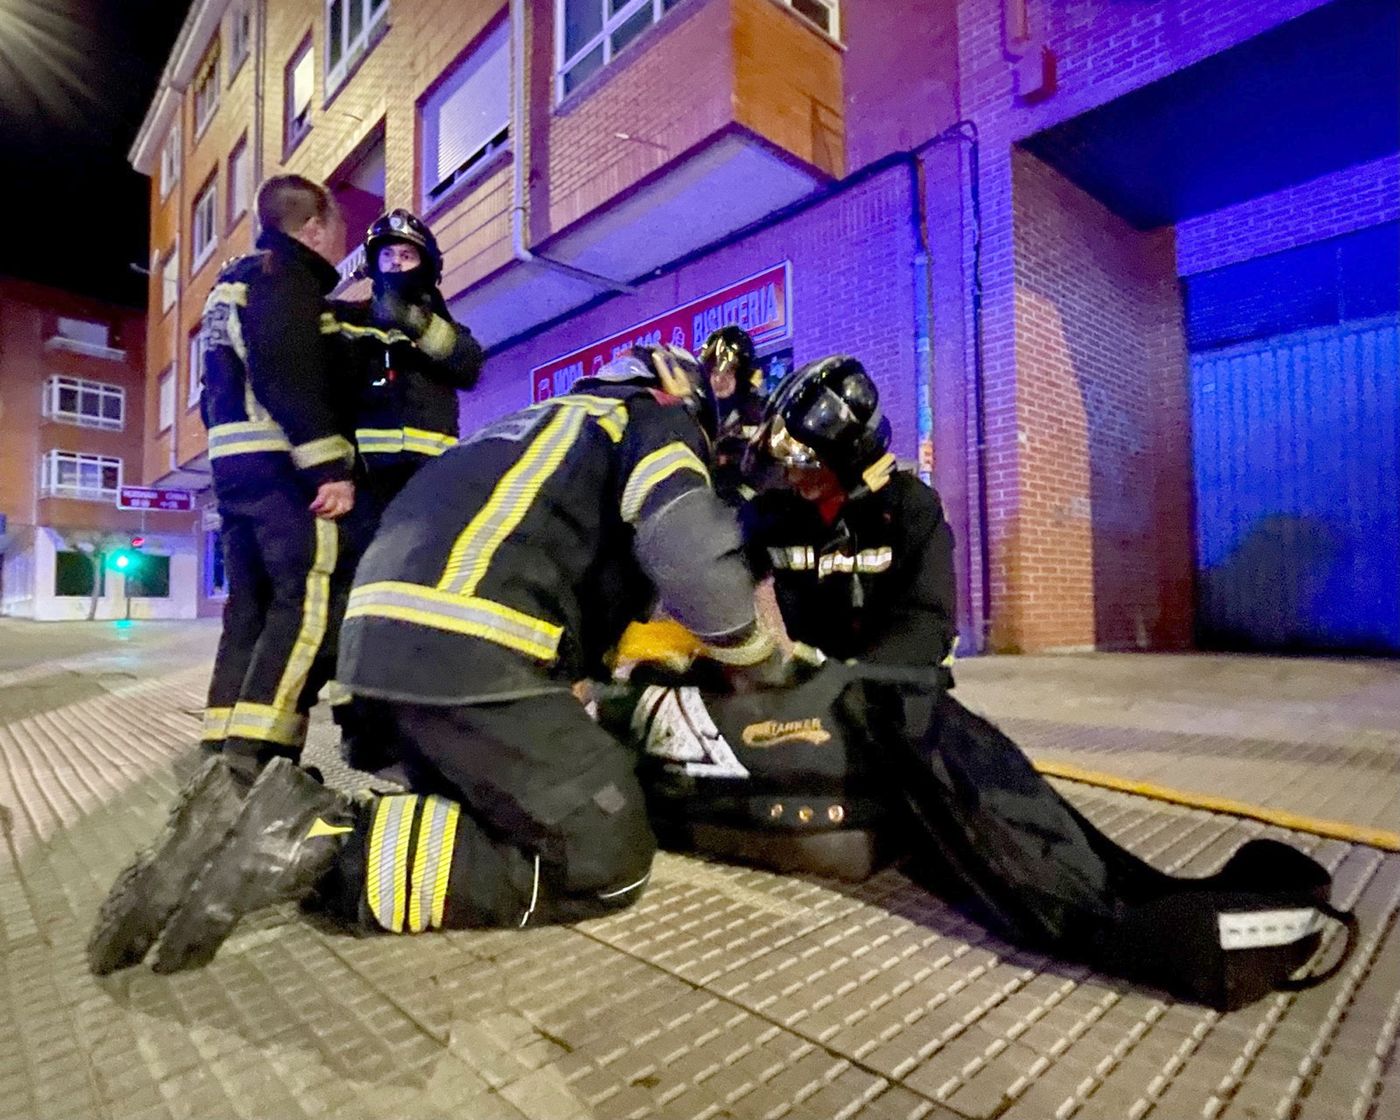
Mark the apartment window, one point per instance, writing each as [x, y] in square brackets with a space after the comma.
[149, 578]
[591, 32]
[170, 279]
[73, 574]
[88, 404]
[170, 161]
[240, 36]
[205, 235]
[826, 14]
[239, 181]
[350, 24]
[467, 118]
[206, 90]
[298, 84]
[70, 474]
[196, 369]
[166, 397]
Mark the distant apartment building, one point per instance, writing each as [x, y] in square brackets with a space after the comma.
[1042, 226]
[73, 427]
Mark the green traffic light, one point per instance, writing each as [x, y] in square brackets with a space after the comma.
[121, 560]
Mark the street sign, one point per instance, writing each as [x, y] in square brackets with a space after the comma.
[139, 497]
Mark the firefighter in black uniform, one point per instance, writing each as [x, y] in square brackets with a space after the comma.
[282, 459]
[408, 359]
[503, 574]
[729, 357]
[860, 553]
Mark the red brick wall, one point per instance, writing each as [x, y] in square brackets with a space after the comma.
[1361, 196]
[1102, 535]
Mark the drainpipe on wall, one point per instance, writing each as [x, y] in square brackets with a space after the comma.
[963, 131]
[519, 249]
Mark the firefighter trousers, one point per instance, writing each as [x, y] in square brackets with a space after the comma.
[289, 575]
[526, 812]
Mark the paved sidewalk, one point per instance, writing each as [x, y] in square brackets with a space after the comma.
[726, 992]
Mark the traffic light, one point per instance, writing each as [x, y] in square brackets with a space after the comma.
[125, 559]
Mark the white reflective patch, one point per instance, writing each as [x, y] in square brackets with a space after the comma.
[673, 724]
[1255, 929]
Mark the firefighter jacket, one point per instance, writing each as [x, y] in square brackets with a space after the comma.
[271, 393]
[511, 564]
[405, 391]
[875, 583]
[739, 420]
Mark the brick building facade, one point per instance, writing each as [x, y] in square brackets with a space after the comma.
[72, 432]
[919, 171]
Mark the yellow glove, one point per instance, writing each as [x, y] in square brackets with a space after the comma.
[663, 642]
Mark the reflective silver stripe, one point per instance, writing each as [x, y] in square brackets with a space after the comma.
[797, 558]
[327, 449]
[432, 863]
[654, 469]
[246, 436]
[461, 614]
[629, 887]
[534, 895]
[266, 723]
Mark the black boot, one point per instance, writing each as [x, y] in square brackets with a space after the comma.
[286, 837]
[147, 892]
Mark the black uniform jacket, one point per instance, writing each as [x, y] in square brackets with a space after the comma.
[876, 584]
[508, 566]
[272, 402]
[405, 400]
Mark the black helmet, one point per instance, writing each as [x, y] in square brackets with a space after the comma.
[400, 225]
[732, 346]
[828, 414]
[673, 370]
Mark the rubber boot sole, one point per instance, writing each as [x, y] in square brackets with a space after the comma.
[150, 888]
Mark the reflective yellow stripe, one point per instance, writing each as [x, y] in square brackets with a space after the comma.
[332, 325]
[386, 877]
[654, 469]
[610, 414]
[215, 724]
[425, 442]
[388, 441]
[315, 615]
[337, 694]
[244, 436]
[509, 502]
[432, 863]
[327, 449]
[458, 614]
[266, 723]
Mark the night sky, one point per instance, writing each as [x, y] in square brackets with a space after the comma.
[76, 79]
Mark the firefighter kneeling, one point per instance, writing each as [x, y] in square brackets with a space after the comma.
[506, 570]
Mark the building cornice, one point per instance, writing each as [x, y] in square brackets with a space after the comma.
[200, 26]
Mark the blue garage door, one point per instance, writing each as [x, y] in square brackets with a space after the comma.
[1297, 465]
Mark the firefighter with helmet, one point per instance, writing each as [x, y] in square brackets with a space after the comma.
[408, 355]
[860, 552]
[730, 359]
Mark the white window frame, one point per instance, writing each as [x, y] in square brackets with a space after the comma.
[373, 14]
[611, 23]
[196, 356]
[170, 161]
[436, 187]
[170, 278]
[292, 135]
[165, 400]
[238, 206]
[96, 392]
[207, 88]
[52, 485]
[240, 36]
[203, 249]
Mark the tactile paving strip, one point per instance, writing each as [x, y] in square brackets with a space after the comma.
[725, 992]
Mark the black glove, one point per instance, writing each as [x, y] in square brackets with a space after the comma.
[389, 308]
